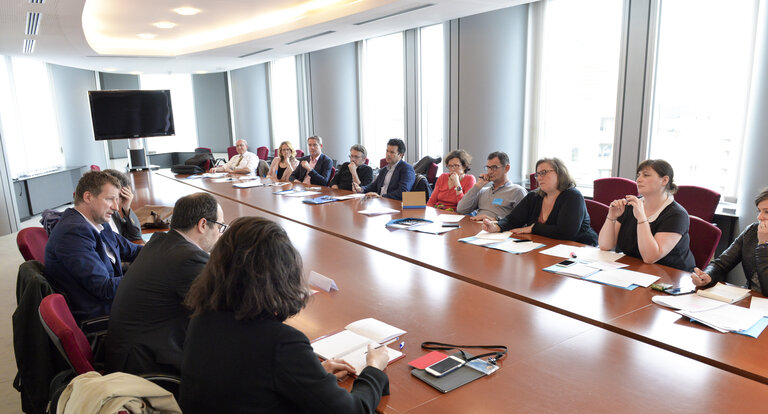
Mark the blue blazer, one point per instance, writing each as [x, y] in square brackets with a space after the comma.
[76, 264]
[402, 180]
[320, 175]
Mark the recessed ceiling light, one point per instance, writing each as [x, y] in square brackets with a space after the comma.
[146, 35]
[187, 11]
[164, 25]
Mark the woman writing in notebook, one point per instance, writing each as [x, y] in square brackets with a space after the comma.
[750, 248]
[240, 356]
[451, 186]
[283, 165]
[556, 209]
[652, 226]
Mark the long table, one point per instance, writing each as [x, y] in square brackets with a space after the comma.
[629, 313]
[555, 363]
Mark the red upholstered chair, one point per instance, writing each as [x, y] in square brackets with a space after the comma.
[299, 153]
[277, 150]
[597, 213]
[31, 242]
[333, 172]
[533, 183]
[66, 335]
[95, 167]
[613, 188]
[382, 163]
[202, 150]
[432, 174]
[704, 239]
[262, 153]
[231, 151]
[699, 201]
[366, 161]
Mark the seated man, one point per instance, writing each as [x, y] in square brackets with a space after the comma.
[396, 177]
[124, 221]
[353, 172]
[496, 200]
[83, 255]
[148, 321]
[242, 163]
[314, 168]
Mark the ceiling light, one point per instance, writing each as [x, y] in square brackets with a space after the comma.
[187, 11]
[146, 35]
[164, 25]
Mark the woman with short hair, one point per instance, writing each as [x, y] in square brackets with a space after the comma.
[452, 185]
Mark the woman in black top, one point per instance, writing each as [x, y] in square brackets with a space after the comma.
[556, 209]
[651, 226]
[750, 248]
[355, 171]
[239, 356]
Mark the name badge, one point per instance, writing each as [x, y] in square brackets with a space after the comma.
[498, 201]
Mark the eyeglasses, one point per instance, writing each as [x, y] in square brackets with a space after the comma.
[542, 173]
[492, 167]
[355, 156]
[454, 166]
[222, 227]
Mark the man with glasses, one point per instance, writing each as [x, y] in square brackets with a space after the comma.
[148, 323]
[493, 196]
[398, 176]
[314, 168]
[354, 172]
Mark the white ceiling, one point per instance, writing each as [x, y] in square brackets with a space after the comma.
[215, 39]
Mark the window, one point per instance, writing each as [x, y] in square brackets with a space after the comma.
[28, 117]
[182, 102]
[432, 82]
[284, 102]
[701, 90]
[383, 95]
[575, 93]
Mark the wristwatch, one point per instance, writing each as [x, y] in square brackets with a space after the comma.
[458, 188]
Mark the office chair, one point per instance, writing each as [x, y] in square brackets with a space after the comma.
[31, 242]
[698, 201]
[704, 238]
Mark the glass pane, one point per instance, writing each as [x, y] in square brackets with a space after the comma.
[432, 81]
[182, 102]
[383, 94]
[577, 93]
[285, 102]
[701, 90]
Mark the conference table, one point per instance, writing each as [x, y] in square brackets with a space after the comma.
[629, 313]
[556, 362]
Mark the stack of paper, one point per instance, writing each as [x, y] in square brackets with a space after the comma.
[716, 314]
[351, 344]
[724, 293]
[502, 241]
[375, 211]
[587, 253]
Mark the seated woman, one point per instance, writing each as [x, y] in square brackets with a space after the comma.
[451, 186]
[124, 220]
[750, 248]
[652, 226]
[239, 356]
[556, 209]
[353, 172]
[284, 164]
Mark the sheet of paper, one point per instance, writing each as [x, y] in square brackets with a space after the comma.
[623, 277]
[594, 254]
[215, 175]
[301, 193]
[606, 265]
[357, 358]
[432, 228]
[450, 218]
[478, 242]
[579, 270]
[756, 329]
[349, 197]
[339, 344]
[321, 282]
[493, 236]
[561, 250]
[375, 211]
[759, 305]
[248, 184]
[511, 246]
[375, 329]
[223, 180]
[693, 303]
[728, 317]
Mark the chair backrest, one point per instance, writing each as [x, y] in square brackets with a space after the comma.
[231, 152]
[432, 173]
[333, 172]
[66, 335]
[299, 153]
[95, 167]
[532, 182]
[366, 161]
[698, 201]
[203, 150]
[31, 242]
[382, 163]
[704, 238]
[613, 188]
[262, 152]
[422, 184]
[597, 213]
[277, 151]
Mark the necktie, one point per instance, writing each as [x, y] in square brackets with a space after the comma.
[238, 161]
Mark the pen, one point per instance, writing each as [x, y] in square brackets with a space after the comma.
[386, 343]
[451, 225]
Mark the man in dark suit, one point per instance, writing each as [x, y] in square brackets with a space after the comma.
[396, 177]
[315, 168]
[83, 255]
[148, 321]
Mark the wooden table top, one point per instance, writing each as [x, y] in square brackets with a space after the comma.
[433, 307]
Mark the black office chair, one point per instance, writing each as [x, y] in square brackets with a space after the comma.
[422, 184]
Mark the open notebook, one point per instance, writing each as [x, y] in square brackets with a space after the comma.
[351, 344]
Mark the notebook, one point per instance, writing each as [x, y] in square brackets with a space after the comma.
[351, 343]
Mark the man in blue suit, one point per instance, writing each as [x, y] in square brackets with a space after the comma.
[396, 177]
[83, 256]
[315, 168]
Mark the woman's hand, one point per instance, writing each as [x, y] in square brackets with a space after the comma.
[377, 357]
[700, 278]
[762, 232]
[616, 208]
[490, 227]
[126, 197]
[637, 208]
[453, 180]
[338, 367]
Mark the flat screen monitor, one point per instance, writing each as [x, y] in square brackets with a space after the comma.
[131, 114]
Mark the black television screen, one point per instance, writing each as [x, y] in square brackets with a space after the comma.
[131, 114]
